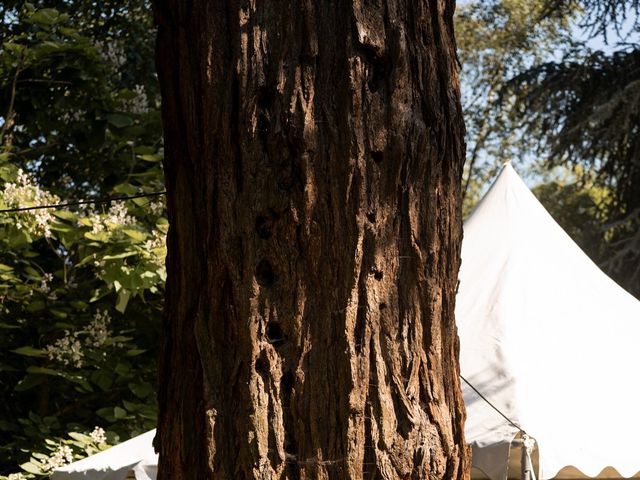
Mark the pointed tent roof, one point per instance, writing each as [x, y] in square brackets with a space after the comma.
[548, 338]
[134, 458]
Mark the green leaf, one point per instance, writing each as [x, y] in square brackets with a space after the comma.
[137, 235]
[45, 16]
[126, 188]
[28, 382]
[123, 300]
[15, 48]
[119, 255]
[135, 352]
[106, 413]
[102, 379]
[119, 120]
[130, 406]
[32, 272]
[122, 369]
[31, 468]
[119, 413]
[58, 313]
[150, 158]
[141, 390]
[65, 215]
[35, 306]
[7, 326]
[5, 268]
[79, 304]
[98, 237]
[148, 411]
[63, 326]
[29, 352]
[81, 437]
[98, 293]
[43, 371]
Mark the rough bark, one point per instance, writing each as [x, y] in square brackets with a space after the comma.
[313, 157]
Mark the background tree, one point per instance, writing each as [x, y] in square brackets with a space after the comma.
[567, 99]
[585, 110]
[313, 168]
[497, 40]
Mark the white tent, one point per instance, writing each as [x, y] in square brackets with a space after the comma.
[549, 340]
[545, 336]
[133, 459]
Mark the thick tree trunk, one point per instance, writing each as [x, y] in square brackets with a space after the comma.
[313, 159]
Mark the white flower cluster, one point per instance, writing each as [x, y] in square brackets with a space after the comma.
[156, 207]
[60, 457]
[117, 215]
[111, 53]
[138, 104]
[98, 436]
[157, 241]
[73, 116]
[16, 476]
[98, 330]
[24, 192]
[44, 283]
[67, 350]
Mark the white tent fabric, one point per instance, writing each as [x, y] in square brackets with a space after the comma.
[545, 336]
[134, 458]
[549, 339]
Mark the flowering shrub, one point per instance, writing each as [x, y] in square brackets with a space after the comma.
[81, 287]
[61, 452]
[25, 193]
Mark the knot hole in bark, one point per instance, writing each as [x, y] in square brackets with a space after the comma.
[275, 335]
[264, 274]
[377, 73]
[382, 306]
[287, 382]
[266, 98]
[377, 156]
[371, 216]
[264, 224]
[260, 366]
[377, 274]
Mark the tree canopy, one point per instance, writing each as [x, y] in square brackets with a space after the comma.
[567, 92]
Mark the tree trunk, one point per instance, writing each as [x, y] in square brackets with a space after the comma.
[313, 158]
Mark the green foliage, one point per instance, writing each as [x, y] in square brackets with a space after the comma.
[537, 94]
[78, 96]
[497, 39]
[579, 206]
[81, 288]
[583, 110]
[60, 451]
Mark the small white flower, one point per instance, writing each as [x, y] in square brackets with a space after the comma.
[25, 192]
[16, 476]
[60, 457]
[66, 350]
[111, 53]
[157, 207]
[98, 436]
[98, 330]
[138, 104]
